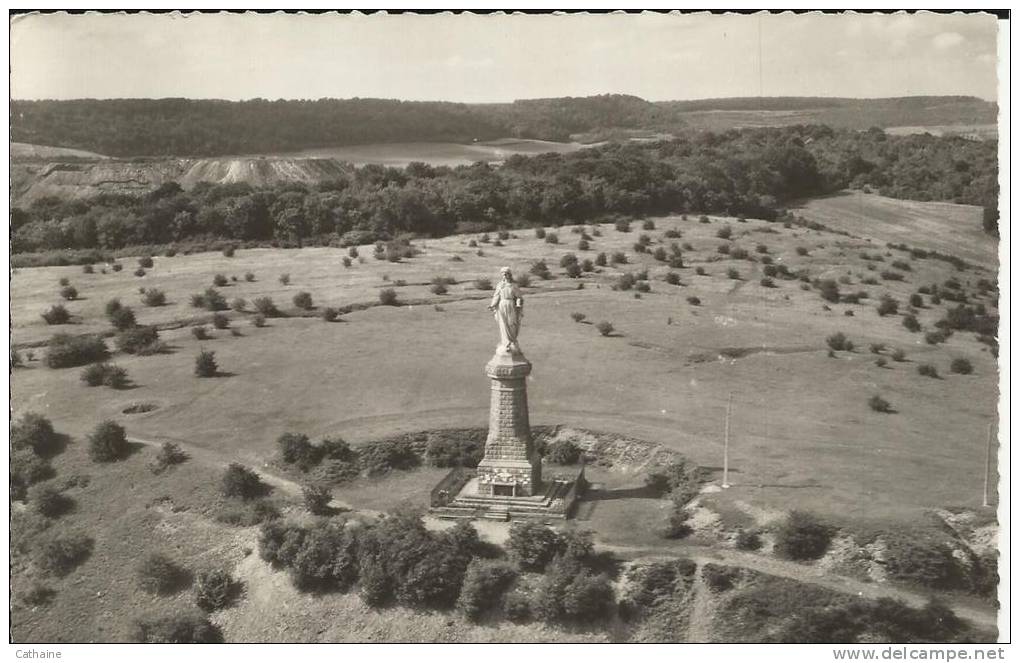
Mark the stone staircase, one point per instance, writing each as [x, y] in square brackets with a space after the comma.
[503, 509]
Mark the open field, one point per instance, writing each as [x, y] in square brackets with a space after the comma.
[951, 229]
[803, 434]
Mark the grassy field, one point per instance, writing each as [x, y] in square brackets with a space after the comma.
[802, 432]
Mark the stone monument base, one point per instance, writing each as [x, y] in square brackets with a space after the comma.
[553, 501]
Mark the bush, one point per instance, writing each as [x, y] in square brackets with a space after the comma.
[839, 341]
[146, 262]
[88, 269]
[600, 260]
[911, 323]
[139, 272]
[303, 300]
[622, 225]
[748, 540]
[733, 273]
[69, 292]
[483, 284]
[239, 481]
[803, 537]
[49, 502]
[238, 304]
[158, 574]
[330, 314]
[220, 280]
[108, 442]
[720, 578]
[891, 276]
[205, 364]
[888, 306]
[228, 252]
[211, 300]
[214, 589]
[484, 584]
[284, 279]
[200, 332]
[154, 297]
[676, 526]
[578, 317]
[898, 355]
[26, 468]
[881, 362]
[297, 449]
[563, 452]
[117, 267]
[723, 249]
[220, 321]
[724, 233]
[694, 301]
[961, 366]
[801, 250]
[64, 351]
[93, 375]
[879, 404]
[672, 278]
[643, 286]
[62, 554]
[388, 297]
[916, 300]
[316, 499]
[533, 545]
[455, 450]
[582, 245]
[122, 318]
[169, 454]
[34, 431]
[176, 629]
[552, 238]
[700, 271]
[540, 233]
[936, 337]
[618, 258]
[605, 328]
[258, 320]
[249, 277]
[928, 370]
[139, 340]
[105, 374]
[438, 289]
[265, 306]
[768, 283]
[57, 315]
[625, 281]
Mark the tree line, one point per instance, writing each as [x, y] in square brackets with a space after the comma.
[751, 172]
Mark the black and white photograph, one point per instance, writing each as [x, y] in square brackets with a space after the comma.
[494, 326]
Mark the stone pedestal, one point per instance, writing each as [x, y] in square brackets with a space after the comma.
[510, 467]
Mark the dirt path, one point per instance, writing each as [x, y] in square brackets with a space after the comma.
[806, 574]
[699, 625]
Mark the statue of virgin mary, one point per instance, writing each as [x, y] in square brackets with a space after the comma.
[507, 306]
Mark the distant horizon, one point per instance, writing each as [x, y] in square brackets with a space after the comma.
[488, 103]
[492, 58]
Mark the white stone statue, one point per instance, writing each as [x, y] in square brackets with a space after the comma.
[508, 307]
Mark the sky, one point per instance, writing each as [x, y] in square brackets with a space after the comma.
[498, 58]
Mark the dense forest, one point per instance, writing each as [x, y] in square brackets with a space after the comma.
[186, 127]
[753, 172]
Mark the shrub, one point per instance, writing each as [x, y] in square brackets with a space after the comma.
[600, 260]
[888, 306]
[139, 272]
[898, 355]
[540, 233]
[961, 366]
[34, 431]
[618, 258]
[249, 277]
[733, 273]
[228, 252]
[582, 245]
[62, 554]
[388, 297]
[676, 526]
[158, 574]
[672, 278]
[552, 238]
[916, 300]
[484, 584]
[65, 351]
[483, 284]
[176, 629]
[605, 328]
[724, 233]
[578, 317]
[330, 314]
[622, 225]
[839, 341]
[154, 297]
[723, 249]
[205, 364]
[316, 499]
[769, 283]
[748, 540]
[108, 442]
[694, 301]
[879, 404]
[117, 267]
[220, 321]
[297, 449]
[139, 340]
[49, 502]
[563, 452]
[200, 332]
[93, 375]
[239, 481]
[891, 276]
[214, 589]
[648, 224]
[87, 269]
[881, 362]
[700, 271]
[123, 318]
[284, 279]
[220, 280]
[911, 323]
[541, 270]
[928, 370]
[829, 290]
[258, 320]
[533, 545]
[720, 578]
[265, 306]
[169, 454]
[625, 281]
[69, 292]
[438, 289]
[803, 537]
[738, 253]
[303, 300]
[146, 262]
[57, 315]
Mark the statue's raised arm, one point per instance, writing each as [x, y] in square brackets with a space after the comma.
[508, 307]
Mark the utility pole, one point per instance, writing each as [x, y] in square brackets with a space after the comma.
[988, 466]
[726, 445]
